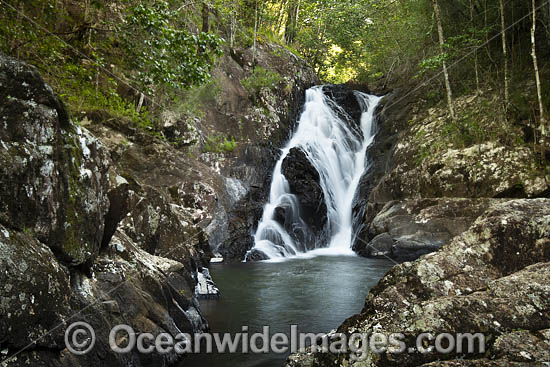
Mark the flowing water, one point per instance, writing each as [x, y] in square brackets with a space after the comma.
[337, 151]
[316, 294]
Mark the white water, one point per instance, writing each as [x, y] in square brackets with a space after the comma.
[339, 155]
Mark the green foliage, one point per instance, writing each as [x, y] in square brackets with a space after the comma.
[98, 56]
[96, 53]
[260, 78]
[465, 131]
[219, 144]
[434, 62]
[82, 95]
[192, 101]
[163, 53]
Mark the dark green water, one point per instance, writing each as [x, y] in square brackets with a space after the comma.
[317, 294]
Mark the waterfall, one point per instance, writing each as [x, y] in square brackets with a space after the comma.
[337, 151]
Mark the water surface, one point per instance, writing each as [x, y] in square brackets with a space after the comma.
[317, 294]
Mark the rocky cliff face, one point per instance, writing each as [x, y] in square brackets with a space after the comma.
[419, 154]
[76, 235]
[111, 220]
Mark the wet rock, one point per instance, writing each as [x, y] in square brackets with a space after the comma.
[206, 288]
[261, 123]
[391, 118]
[255, 255]
[346, 99]
[253, 169]
[304, 182]
[493, 278]
[405, 230]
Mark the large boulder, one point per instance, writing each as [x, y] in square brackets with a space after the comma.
[35, 293]
[493, 278]
[88, 238]
[129, 286]
[405, 230]
[52, 173]
[304, 182]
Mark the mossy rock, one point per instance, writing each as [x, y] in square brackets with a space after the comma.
[53, 173]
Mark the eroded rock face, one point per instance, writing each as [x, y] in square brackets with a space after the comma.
[424, 163]
[345, 98]
[485, 170]
[405, 230]
[262, 121]
[53, 174]
[493, 278]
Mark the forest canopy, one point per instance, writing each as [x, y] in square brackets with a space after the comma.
[162, 47]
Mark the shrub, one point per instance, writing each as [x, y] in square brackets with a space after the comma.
[219, 144]
[260, 78]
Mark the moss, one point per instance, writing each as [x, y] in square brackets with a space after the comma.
[74, 220]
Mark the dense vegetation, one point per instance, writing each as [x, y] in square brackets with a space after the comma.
[130, 57]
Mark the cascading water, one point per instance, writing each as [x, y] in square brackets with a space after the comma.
[338, 154]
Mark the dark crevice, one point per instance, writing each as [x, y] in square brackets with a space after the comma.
[118, 209]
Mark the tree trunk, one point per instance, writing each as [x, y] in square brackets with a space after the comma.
[476, 62]
[281, 17]
[205, 17]
[292, 21]
[445, 71]
[543, 126]
[487, 41]
[233, 25]
[547, 15]
[255, 34]
[297, 18]
[505, 55]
